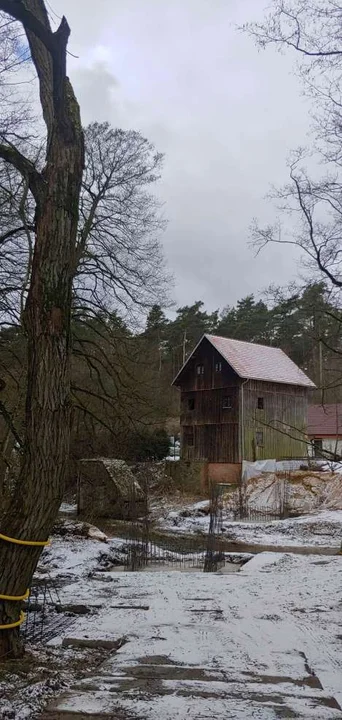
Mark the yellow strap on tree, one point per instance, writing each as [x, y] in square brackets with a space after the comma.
[18, 598]
[9, 626]
[15, 598]
[25, 542]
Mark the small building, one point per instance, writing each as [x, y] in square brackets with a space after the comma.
[325, 430]
[241, 401]
[108, 488]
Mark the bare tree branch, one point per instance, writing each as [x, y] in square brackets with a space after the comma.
[26, 168]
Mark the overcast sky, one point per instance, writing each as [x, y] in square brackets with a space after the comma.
[225, 114]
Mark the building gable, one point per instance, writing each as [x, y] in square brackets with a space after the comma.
[247, 361]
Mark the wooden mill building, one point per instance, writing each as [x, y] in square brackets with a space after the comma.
[241, 401]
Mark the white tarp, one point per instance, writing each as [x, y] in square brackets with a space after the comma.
[286, 465]
[254, 469]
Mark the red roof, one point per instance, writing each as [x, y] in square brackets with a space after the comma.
[325, 420]
[257, 362]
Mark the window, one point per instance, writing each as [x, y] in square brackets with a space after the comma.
[189, 438]
[191, 403]
[227, 403]
[259, 438]
[200, 369]
[260, 403]
[218, 367]
[317, 447]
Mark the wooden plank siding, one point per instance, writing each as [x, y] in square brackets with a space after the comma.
[208, 406]
[213, 443]
[207, 356]
[282, 422]
[213, 429]
[210, 432]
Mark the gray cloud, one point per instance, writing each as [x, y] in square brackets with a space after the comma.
[225, 115]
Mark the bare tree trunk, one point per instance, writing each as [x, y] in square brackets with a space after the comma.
[56, 190]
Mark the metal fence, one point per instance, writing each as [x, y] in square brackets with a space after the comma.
[182, 553]
[214, 559]
[275, 509]
[154, 556]
[260, 514]
[43, 622]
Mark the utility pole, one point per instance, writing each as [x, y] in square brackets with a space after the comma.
[321, 365]
[184, 347]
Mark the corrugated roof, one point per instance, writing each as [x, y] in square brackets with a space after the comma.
[257, 362]
[325, 420]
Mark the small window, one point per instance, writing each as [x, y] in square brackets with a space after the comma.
[200, 369]
[259, 438]
[260, 403]
[318, 447]
[218, 367]
[191, 403]
[189, 439]
[227, 403]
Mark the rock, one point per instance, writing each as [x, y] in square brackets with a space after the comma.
[33, 607]
[80, 529]
[198, 511]
[203, 510]
[113, 558]
[95, 534]
[186, 513]
[101, 576]
[94, 644]
[74, 609]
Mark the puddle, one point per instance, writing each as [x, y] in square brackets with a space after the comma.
[198, 542]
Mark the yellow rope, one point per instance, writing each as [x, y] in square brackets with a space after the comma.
[15, 598]
[14, 624]
[25, 542]
[18, 598]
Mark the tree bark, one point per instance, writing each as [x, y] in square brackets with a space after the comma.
[39, 490]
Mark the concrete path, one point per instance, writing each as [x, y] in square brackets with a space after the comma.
[264, 643]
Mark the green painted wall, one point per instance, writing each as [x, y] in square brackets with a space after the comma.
[279, 427]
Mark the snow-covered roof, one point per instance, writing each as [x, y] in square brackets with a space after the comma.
[256, 362]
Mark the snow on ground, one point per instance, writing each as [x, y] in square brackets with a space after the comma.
[322, 529]
[68, 508]
[27, 685]
[319, 529]
[261, 643]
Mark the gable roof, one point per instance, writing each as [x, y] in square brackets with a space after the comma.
[256, 362]
[325, 420]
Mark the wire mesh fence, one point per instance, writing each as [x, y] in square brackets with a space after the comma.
[154, 556]
[260, 514]
[214, 559]
[43, 622]
[275, 508]
[143, 552]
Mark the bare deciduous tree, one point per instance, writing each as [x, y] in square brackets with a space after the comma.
[119, 267]
[47, 314]
[119, 262]
[310, 204]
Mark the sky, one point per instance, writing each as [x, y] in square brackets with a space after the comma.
[225, 114]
